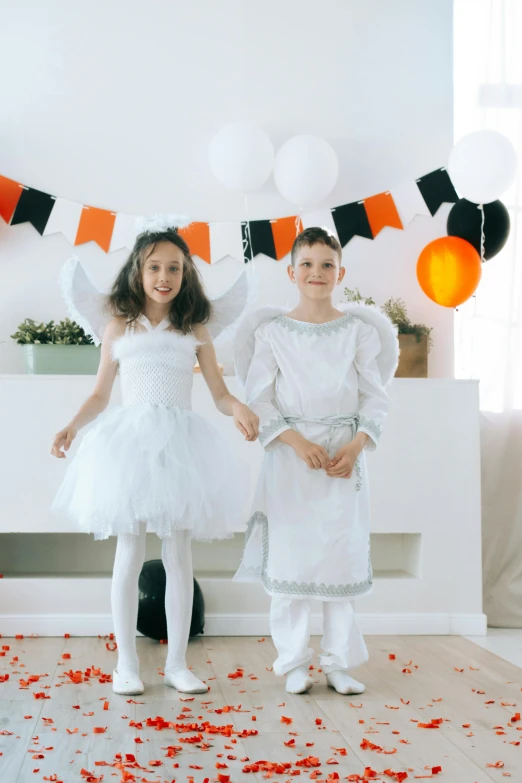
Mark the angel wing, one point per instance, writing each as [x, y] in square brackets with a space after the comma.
[228, 308]
[85, 303]
[387, 360]
[88, 306]
[246, 337]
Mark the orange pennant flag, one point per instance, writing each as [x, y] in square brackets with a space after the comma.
[381, 212]
[197, 237]
[96, 225]
[10, 192]
[285, 231]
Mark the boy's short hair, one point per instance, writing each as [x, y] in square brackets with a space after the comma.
[313, 236]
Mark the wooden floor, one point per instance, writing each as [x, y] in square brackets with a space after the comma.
[64, 733]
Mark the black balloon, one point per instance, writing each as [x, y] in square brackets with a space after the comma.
[465, 220]
[152, 621]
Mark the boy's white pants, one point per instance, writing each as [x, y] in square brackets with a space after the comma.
[342, 645]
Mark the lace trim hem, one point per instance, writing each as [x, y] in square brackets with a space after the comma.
[302, 588]
[268, 431]
[370, 427]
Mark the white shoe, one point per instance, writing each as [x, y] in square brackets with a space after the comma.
[343, 683]
[298, 680]
[185, 682]
[126, 684]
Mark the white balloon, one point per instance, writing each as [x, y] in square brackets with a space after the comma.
[241, 156]
[482, 166]
[305, 170]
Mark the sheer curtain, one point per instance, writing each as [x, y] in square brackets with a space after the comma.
[488, 336]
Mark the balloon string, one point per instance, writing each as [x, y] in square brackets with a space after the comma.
[247, 241]
[482, 237]
[298, 222]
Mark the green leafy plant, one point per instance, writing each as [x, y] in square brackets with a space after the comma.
[67, 332]
[70, 333]
[396, 311]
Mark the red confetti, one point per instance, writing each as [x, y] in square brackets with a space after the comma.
[236, 675]
[435, 723]
[398, 776]
[309, 761]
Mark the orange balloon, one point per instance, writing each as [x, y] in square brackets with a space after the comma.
[449, 271]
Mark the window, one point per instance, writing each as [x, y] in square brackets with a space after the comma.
[488, 94]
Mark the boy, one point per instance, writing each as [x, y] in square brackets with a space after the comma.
[316, 378]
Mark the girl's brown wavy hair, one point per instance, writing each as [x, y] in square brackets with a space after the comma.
[127, 297]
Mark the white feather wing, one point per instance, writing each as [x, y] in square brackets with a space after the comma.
[85, 303]
[228, 308]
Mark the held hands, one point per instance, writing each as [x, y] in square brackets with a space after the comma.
[63, 440]
[342, 465]
[316, 457]
[246, 421]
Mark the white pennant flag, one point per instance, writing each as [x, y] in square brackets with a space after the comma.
[409, 202]
[64, 218]
[226, 239]
[319, 217]
[124, 233]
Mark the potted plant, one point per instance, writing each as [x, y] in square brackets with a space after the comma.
[414, 339]
[56, 349]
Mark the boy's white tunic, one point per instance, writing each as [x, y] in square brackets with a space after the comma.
[309, 534]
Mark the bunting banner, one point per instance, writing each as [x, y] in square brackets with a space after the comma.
[436, 188]
[351, 220]
[33, 207]
[211, 242]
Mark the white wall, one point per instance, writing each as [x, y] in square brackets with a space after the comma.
[113, 104]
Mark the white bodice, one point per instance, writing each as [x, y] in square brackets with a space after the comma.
[156, 365]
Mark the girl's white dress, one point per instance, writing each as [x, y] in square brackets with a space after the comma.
[153, 459]
[309, 535]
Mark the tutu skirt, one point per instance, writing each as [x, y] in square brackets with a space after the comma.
[163, 466]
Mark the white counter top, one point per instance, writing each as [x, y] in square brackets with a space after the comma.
[424, 477]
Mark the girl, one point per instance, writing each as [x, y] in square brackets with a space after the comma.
[153, 464]
[316, 377]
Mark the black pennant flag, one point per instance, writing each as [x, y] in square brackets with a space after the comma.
[436, 188]
[262, 238]
[351, 219]
[33, 207]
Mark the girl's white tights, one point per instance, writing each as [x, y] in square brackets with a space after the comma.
[176, 554]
